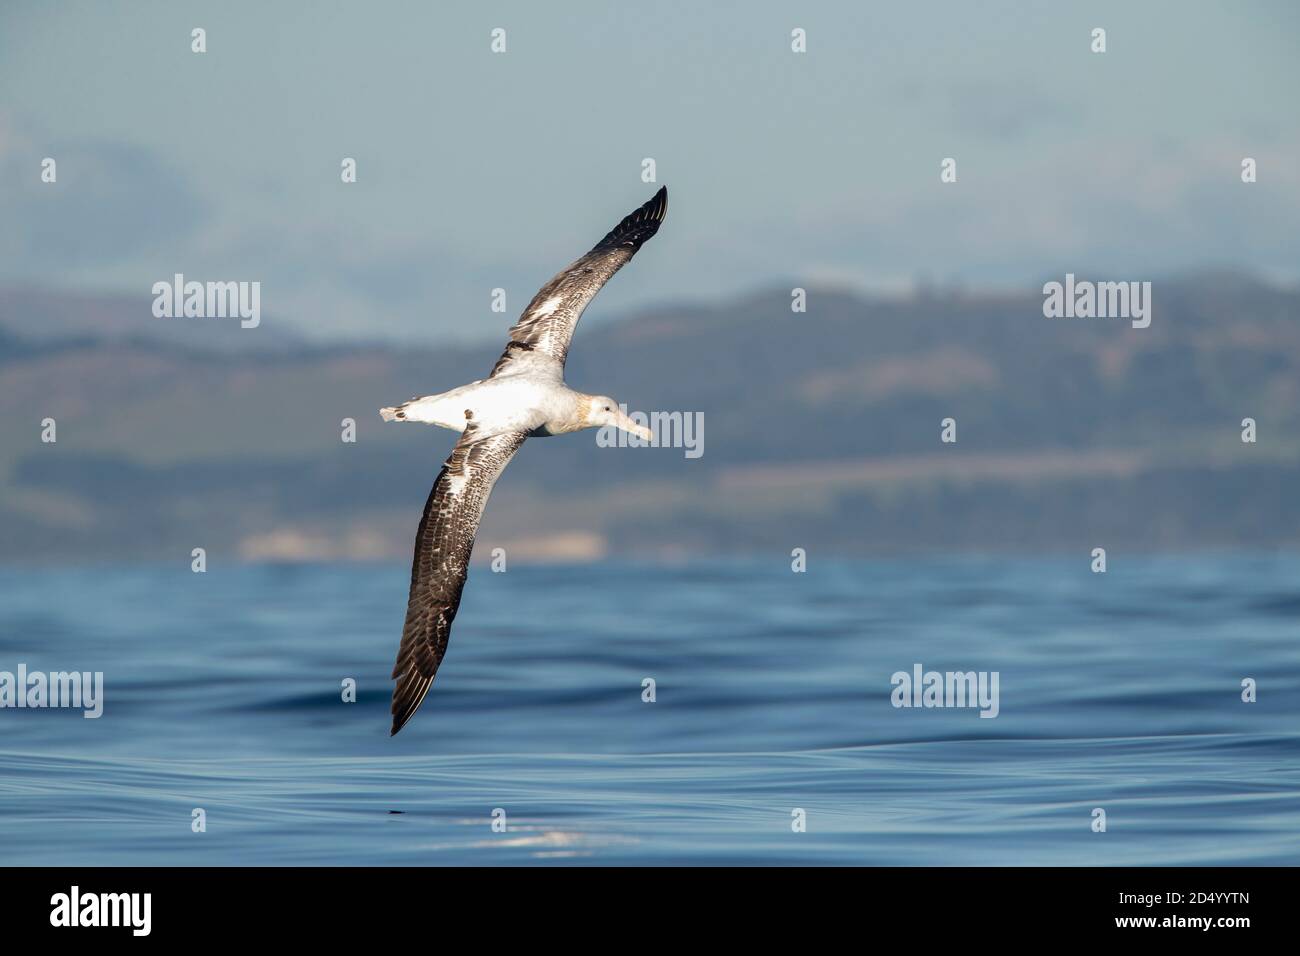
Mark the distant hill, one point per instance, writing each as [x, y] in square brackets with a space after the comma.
[821, 431]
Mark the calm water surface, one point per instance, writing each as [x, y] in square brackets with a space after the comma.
[223, 691]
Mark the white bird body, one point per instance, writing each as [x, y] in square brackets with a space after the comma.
[524, 401]
[524, 397]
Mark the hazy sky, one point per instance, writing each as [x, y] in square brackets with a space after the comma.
[478, 170]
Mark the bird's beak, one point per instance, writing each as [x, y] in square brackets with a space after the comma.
[640, 431]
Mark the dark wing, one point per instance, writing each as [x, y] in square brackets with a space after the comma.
[442, 549]
[542, 334]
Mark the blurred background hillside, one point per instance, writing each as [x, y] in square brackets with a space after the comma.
[821, 430]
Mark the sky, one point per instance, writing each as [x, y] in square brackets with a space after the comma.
[478, 170]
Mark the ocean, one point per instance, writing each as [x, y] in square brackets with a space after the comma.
[772, 737]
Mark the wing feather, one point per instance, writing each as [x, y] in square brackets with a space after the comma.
[441, 562]
[540, 339]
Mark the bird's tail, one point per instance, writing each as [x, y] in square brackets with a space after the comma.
[409, 411]
[430, 409]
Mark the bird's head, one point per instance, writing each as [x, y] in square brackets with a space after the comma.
[603, 410]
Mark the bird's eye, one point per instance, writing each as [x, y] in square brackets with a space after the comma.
[606, 408]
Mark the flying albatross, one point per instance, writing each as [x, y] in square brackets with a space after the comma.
[524, 397]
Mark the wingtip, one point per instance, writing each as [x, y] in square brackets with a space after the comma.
[660, 199]
[400, 718]
[640, 224]
[412, 687]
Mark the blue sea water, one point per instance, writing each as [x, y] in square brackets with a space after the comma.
[223, 692]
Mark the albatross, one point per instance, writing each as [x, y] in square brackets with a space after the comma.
[523, 397]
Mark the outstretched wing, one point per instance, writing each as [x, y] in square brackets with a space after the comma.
[540, 339]
[442, 549]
